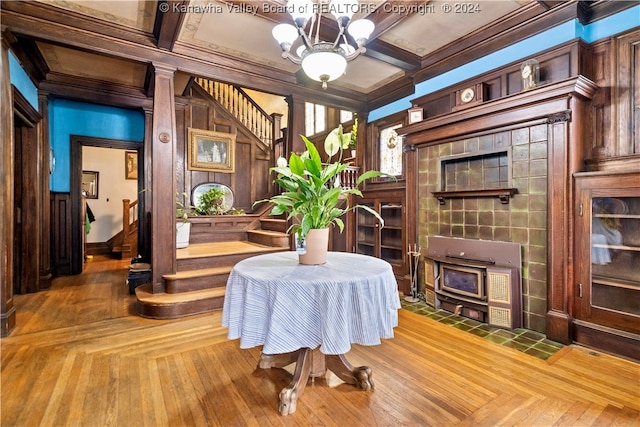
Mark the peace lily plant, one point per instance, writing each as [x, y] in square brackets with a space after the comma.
[312, 188]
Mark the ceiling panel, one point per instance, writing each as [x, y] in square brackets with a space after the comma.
[87, 65]
[232, 28]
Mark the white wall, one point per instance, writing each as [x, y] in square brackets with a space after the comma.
[112, 189]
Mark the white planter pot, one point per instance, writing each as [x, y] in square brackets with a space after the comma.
[313, 251]
[183, 230]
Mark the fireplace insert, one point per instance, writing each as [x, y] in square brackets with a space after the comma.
[463, 280]
[478, 279]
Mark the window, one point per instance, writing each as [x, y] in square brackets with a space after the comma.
[346, 116]
[390, 151]
[315, 118]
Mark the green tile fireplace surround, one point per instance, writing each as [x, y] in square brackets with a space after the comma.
[515, 159]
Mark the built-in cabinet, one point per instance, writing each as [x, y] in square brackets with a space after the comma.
[386, 242]
[607, 287]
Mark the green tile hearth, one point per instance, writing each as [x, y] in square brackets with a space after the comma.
[524, 340]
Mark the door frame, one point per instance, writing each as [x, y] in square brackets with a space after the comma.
[77, 142]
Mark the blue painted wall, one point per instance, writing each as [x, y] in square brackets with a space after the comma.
[524, 49]
[22, 82]
[68, 118]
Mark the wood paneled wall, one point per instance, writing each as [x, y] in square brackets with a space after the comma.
[615, 129]
[61, 233]
[251, 180]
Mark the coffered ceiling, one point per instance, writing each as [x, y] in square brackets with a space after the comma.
[235, 34]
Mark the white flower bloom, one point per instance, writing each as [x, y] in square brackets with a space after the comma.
[281, 162]
[332, 142]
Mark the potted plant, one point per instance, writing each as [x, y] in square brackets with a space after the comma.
[211, 202]
[353, 137]
[311, 192]
[183, 226]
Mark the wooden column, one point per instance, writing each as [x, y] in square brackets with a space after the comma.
[45, 194]
[558, 323]
[565, 156]
[163, 173]
[296, 126]
[7, 310]
[277, 127]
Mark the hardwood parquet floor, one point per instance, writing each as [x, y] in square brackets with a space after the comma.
[81, 357]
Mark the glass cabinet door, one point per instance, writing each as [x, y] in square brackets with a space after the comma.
[367, 231]
[615, 254]
[607, 267]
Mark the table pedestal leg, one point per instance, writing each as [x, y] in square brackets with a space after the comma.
[313, 363]
[360, 376]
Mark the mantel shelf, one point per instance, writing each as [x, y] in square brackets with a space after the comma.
[504, 194]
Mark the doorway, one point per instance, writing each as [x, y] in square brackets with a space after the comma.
[77, 208]
[30, 219]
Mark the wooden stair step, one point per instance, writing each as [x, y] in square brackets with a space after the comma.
[219, 254]
[275, 224]
[213, 249]
[171, 306]
[189, 274]
[269, 237]
[193, 280]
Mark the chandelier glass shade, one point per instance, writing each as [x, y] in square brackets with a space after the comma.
[321, 60]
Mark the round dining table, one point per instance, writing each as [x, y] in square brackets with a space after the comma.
[311, 314]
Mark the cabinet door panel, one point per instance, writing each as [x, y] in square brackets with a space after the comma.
[387, 242]
[608, 250]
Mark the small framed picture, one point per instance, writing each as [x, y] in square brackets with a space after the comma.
[90, 184]
[415, 114]
[131, 165]
[211, 151]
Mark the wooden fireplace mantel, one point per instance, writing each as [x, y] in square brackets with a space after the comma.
[564, 108]
[504, 194]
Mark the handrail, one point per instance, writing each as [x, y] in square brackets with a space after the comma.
[243, 108]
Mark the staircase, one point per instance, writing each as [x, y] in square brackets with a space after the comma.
[242, 107]
[199, 284]
[125, 243]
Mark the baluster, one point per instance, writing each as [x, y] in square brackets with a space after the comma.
[245, 108]
[236, 99]
[254, 111]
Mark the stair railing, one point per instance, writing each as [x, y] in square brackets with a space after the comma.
[129, 217]
[243, 108]
[349, 177]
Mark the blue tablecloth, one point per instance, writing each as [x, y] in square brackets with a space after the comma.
[273, 301]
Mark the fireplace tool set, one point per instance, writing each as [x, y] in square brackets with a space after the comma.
[414, 259]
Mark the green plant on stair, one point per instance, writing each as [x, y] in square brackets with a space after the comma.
[211, 202]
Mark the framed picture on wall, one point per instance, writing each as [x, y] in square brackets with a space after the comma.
[211, 151]
[131, 165]
[90, 184]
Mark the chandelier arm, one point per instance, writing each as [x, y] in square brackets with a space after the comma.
[345, 41]
[340, 34]
[357, 52]
[305, 39]
[292, 58]
[318, 27]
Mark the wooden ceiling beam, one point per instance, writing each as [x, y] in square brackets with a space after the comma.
[386, 52]
[188, 59]
[29, 56]
[169, 19]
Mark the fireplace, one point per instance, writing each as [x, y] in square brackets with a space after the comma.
[463, 281]
[479, 279]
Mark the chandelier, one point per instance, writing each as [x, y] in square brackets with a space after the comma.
[321, 60]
